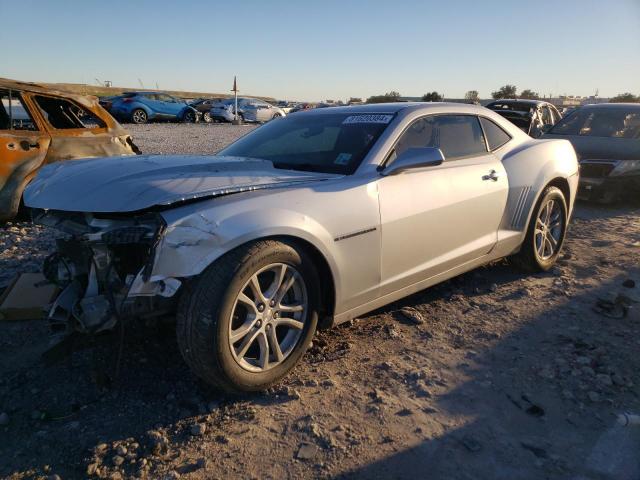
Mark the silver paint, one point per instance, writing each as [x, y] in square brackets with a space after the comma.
[422, 226]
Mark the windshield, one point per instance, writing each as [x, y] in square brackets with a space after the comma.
[329, 143]
[605, 122]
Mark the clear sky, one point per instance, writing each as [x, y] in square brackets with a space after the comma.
[328, 49]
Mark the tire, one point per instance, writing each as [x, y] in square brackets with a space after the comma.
[206, 117]
[275, 115]
[139, 116]
[548, 227]
[189, 117]
[211, 309]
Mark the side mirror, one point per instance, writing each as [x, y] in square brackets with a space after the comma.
[413, 158]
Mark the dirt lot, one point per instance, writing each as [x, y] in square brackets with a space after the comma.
[499, 375]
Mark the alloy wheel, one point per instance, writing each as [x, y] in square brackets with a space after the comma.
[268, 317]
[548, 230]
[139, 116]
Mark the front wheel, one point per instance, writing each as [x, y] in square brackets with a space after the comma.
[139, 116]
[545, 234]
[248, 319]
[206, 117]
[189, 117]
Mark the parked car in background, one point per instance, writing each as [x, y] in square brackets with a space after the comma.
[203, 105]
[106, 102]
[285, 106]
[39, 126]
[142, 107]
[249, 110]
[606, 138]
[533, 117]
[302, 106]
[318, 217]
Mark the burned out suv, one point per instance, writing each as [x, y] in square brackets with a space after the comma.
[533, 117]
[39, 126]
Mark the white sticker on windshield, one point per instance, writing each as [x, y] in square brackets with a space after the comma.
[342, 159]
[374, 118]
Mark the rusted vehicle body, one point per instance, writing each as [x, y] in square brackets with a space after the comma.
[39, 126]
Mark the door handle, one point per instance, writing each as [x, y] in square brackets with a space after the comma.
[493, 175]
[26, 146]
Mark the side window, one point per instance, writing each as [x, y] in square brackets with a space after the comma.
[457, 136]
[63, 114]
[14, 115]
[496, 136]
[546, 115]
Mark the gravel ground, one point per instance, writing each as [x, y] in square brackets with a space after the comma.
[492, 375]
[199, 139]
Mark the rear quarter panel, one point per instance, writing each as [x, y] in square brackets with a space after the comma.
[531, 165]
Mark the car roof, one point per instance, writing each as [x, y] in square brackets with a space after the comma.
[520, 100]
[612, 106]
[391, 108]
[6, 83]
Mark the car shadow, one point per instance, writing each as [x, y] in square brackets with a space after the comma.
[527, 410]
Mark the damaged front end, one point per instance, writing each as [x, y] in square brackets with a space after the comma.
[102, 266]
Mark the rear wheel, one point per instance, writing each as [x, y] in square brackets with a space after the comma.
[139, 116]
[545, 234]
[248, 318]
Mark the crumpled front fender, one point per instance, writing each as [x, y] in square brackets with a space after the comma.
[191, 243]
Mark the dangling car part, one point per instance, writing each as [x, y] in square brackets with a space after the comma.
[316, 218]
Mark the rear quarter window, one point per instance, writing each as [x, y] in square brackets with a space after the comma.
[496, 136]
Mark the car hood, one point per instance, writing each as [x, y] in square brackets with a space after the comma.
[130, 184]
[602, 148]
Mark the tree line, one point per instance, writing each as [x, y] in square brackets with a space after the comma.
[472, 96]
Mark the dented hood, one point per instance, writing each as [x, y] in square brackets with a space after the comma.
[127, 184]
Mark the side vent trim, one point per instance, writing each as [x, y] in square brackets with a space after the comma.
[516, 220]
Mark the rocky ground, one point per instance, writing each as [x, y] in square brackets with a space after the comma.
[492, 375]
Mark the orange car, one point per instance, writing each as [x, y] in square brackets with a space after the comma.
[39, 126]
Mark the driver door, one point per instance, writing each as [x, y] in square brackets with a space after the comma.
[23, 148]
[437, 218]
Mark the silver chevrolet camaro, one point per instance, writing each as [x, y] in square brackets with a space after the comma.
[309, 220]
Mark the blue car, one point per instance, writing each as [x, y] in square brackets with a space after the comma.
[141, 107]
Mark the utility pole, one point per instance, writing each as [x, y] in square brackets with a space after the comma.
[235, 90]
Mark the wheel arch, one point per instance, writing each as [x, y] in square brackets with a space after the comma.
[559, 182]
[327, 282]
